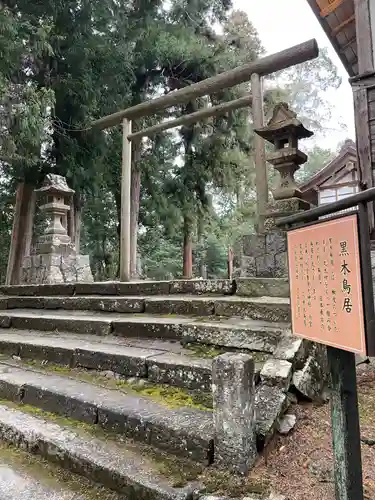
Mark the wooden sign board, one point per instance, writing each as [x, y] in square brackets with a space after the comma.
[326, 284]
[328, 6]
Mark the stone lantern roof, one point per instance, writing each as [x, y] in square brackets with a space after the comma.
[54, 183]
[284, 131]
[283, 123]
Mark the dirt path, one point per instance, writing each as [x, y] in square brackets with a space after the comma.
[300, 465]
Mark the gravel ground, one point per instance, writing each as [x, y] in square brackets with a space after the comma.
[300, 465]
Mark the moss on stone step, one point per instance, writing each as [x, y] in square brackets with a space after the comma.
[171, 397]
[179, 470]
[204, 350]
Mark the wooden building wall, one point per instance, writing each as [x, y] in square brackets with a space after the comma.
[364, 107]
[371, 118]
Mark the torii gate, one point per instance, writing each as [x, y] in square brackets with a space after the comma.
[253, 71]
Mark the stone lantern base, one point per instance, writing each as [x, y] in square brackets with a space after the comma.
[264, 255]
[60, 264]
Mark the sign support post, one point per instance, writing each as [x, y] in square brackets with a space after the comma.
[345, 425]
[333, 303]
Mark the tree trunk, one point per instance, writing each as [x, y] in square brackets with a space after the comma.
[29, 230]
[71, 221]
[21, 232]
[77, 223]
[188, 251]
[134, 209]
[202, 257]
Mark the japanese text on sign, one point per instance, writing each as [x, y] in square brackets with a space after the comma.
[325, 284]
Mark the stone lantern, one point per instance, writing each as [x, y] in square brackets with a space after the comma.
[284, 131]
[56, 196]
[54, 259]
[264, 255]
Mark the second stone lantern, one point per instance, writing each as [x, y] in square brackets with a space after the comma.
[264, 254]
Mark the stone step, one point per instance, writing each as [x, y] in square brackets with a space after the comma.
[262, 287]
[263, 308]
[223, 332]
[154, 363]
[135, 416]
[194, 287]
[251, 287]
[16, 484]
[123, 469]
[185, 432]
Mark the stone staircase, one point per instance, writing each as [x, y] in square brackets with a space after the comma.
[111, 380]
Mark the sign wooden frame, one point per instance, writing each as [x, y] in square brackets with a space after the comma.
[350, 328]
[346, 437]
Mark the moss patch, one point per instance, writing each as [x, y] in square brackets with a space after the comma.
[204, 350]
[222, 482]
[172, 397]
[166, 395]
[209, 351]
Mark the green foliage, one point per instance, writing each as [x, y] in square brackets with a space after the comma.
[212, 254]
[318, 158]
[304, 86]
[161, 256]
[66, 63]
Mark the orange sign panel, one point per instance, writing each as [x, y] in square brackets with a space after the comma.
[328, 6]
[326, 285]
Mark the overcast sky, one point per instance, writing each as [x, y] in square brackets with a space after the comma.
[274, 21]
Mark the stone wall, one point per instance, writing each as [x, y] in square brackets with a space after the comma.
[263, 255]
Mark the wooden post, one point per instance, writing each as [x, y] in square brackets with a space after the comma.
[364, 36]
[260, 153]
[125, 201]
[363, 142]
[363, 94]
[345, 425]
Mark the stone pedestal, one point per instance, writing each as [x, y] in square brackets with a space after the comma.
[60, 266]
[234, 414]
[265, 255]
[54, 258]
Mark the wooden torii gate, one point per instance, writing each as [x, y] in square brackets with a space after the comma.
[253, 71]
